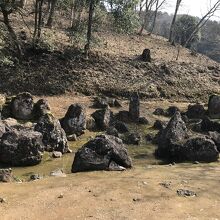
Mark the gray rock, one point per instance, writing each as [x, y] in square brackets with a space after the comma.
[103, 118]
[90, 124]
[112, 131]
[2, 128]
[133, 138]
[103, 102]
[98, 153]
[54, 137]
[57, 154]
[21, 147]
[143, 121]
[74, 122]
[6, 175]
[215, 136]
[22, 106]
[200, 149]
[214, 107]
[146, 55]
[35, 177]
[134, 107]
[184, 192]
[121, 127]
[41, 108]
[58, 173]
[196, 111]
[170, 139]
[72, 137]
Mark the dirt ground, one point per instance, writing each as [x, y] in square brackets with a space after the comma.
[147, 191]
[134, 194]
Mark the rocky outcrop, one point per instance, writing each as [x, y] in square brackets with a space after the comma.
[74, 121]
[54, 137]
[98, 154]
[214, 107]
[21, 147]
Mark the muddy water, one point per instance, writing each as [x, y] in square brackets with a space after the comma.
[142, 156]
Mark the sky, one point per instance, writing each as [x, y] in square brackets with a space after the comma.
[191, 7]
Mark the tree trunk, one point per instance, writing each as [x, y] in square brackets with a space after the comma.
[11, 32]
[174, 21]
[51, 14]
[155, 16]
[89, 29]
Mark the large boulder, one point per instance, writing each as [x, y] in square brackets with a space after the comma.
[134, 107]
[74, 122]
[22, 106]
[214, 106]
[21, 148]
[200, 149]
[103, 118]
[54, 137]
[170, 139]
[98, 154]
[41, 107]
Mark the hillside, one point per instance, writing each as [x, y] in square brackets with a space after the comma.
[113, 68]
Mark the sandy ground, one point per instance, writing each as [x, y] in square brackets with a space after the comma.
[133, 194]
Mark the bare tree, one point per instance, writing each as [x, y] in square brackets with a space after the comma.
[38, 21]
[52, 6]
[6, 10]
[158, 6]
[213, 8]
[178, 2]
[148, 6]
[89, 29]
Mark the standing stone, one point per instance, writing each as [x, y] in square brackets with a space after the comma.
[22, 106]
[74, 122]
[146, 55]
[134, 107]
[214, 107]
